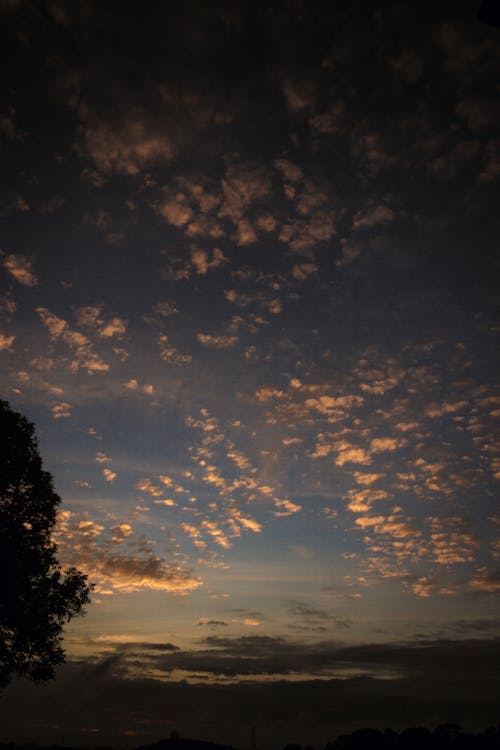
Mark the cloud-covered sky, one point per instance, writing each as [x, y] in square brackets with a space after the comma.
[250, 270]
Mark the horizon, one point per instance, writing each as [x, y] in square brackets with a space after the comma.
[445, 732]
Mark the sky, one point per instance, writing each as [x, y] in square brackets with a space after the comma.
[249, 268]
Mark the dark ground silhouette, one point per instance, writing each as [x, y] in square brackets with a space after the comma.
[443, 737]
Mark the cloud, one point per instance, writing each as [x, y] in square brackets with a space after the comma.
[114, 327]
[243, 185]
[21, 268]
[8, 128]
[334, 405]
[301, 235]
[245, 233]
[202, 263]
[166, 308]
[126, 573]
[286, 508]
[146, 485]
[6, 342]
[267, 393]
[366, 479]
[360, 501]
[199, 259]
[268, 300]
[350, 454]
[258, 655]
[213, 529]
[56, 326]
[424, 586]
[194, 534]
[367, 521]
[435, 410]
[485, 581]
[245, 521]
[61, 409]
[330, 122]
[127, 145]
[133, 385]
[266, 222]
[311, 615]
[90, 316]
[202, 196]
[301, 271]
[217, 342]
[382, 444]
[239, 459]
[479, 625]
[176, 211]
[90, 547]
[322, 450]
[125, 642]
[102, 458]
[452, 540]
[109, 475]
[85, 357]
[290, 171]
[170, 355]
[120, 532]
[350, 252]
[167, 502]
[373, 217]
[8, 305]
[299, 94]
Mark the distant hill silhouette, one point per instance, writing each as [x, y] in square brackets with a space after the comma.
[172, 743]
[178, 743]
[444, 737]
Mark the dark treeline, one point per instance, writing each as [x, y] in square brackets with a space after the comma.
[444, 737]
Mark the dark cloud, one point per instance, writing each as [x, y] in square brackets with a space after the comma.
[135, 646]
[301, 610]
[483, 625]
[244, 612]
[279, 656]
[436, 688]
[307, 628]
[312, 617]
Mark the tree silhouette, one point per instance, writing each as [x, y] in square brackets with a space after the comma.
[36, 596]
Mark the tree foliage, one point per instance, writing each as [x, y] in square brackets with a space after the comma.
[36, 596]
